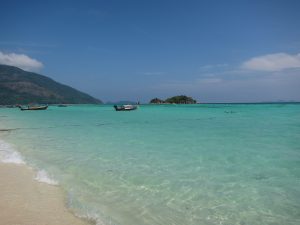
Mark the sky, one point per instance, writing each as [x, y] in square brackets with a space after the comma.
[214, 51]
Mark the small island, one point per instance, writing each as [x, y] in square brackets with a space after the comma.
[180, 99]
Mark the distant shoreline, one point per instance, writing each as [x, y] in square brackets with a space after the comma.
[203, 103]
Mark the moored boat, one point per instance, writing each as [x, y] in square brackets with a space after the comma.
[125, 107]
[43, 107]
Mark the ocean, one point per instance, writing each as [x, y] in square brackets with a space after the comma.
[206, 164]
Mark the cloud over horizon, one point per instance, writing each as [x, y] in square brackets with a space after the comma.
[21, 61]
[273, 62]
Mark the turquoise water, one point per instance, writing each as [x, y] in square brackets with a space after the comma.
[166, 164]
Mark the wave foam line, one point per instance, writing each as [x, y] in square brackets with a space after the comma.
[43, 177]
[87, 213]
[9, 155]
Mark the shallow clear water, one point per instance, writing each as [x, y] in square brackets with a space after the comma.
[168, 164]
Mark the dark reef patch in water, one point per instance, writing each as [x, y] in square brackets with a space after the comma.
[7, 130]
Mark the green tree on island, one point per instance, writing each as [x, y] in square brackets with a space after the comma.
[180, 99]
[156, 101]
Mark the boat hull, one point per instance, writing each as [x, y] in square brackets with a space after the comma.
[34, 108]
[125, 108]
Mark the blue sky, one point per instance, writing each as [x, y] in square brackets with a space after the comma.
[214, 51]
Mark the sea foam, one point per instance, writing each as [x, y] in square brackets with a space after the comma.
[42, 176]
[9, 155]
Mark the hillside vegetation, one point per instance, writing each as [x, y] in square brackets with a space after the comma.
[21, 87]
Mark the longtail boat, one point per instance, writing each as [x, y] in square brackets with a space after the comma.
[125, 107]
[43, 107]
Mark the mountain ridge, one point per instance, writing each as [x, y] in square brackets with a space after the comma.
[21, 87]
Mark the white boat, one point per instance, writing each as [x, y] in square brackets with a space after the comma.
[125, 107]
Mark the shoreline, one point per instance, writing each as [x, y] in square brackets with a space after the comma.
[26, 201]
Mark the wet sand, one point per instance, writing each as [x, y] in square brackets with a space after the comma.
[25, 201]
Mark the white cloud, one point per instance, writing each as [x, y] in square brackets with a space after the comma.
[273, 62]
[20, 60]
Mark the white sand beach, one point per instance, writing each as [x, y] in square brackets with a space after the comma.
[25, 201]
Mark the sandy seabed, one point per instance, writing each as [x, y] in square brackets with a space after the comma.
[25, 201]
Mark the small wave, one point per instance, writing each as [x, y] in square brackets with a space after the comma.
[94, 218]
[9, 155]
[90, 214]
[43, 177]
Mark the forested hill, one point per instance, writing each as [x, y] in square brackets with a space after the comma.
[21, 87]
